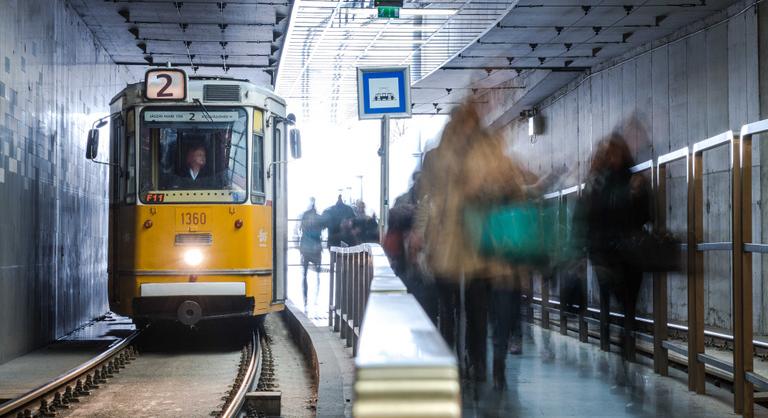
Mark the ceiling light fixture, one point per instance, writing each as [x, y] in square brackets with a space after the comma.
[372, 12]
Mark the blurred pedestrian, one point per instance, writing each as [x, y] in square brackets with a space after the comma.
[614, 209]
[438, 220]
[363, 228]
[404, 250]
[310, 243]
[469, 173]
[337, 219]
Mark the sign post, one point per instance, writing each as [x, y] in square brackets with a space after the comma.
[384, 154]
[384, 93]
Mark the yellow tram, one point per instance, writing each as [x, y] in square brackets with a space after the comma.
[197, 225]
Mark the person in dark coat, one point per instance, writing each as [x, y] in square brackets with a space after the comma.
[337, 219]
[310, 244]
[614, 208]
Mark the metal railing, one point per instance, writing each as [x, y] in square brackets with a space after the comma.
[741, 246]
[395, 373]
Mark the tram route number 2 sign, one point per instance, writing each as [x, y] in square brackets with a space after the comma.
[384, 91]
[165, 84]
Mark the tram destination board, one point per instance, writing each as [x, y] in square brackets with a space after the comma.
[384, 91]
[165, 84]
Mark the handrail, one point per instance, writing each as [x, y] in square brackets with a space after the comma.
[570, 190]
[647, 165]
[397, 349]
[678, 154]
[713, 142]
[754, 128]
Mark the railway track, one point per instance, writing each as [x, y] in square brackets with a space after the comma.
[119, 382]
[70, 387]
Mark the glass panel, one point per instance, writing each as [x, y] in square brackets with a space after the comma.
[117, 158]
[257, 189]
[130, 136]
[193, 155]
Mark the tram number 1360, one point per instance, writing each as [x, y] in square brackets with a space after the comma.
[192, 218]
[188, 219]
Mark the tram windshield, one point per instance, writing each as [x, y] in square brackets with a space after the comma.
[193, 155]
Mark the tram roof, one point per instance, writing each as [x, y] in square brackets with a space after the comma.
[249, 93]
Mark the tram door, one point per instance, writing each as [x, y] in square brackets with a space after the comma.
[116, 144]
[279, 211]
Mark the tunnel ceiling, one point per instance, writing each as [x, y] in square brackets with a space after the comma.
[328, 40]
[541, 45]
[241, 39]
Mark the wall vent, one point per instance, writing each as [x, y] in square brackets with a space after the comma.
[193, 239]
[221, 93]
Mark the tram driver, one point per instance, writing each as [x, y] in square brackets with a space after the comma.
[195, 174]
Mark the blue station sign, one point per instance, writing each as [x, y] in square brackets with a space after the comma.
[384, 91]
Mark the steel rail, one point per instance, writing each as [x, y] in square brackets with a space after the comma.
[30, 399]
[594, 312]
[253, 371]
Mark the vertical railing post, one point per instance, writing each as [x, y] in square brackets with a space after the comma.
[562, 220]
[344, 283]
[660, 299]
[696, 371]
[548, 273]
[583, 278]
[737, 248]
[545, 280]
[744, 401]
[583, 309]
[331, 280]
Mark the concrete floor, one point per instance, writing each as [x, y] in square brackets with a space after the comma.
[316, 310]
[291, 372]
[557, 376]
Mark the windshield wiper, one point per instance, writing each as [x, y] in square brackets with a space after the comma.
[205, 110]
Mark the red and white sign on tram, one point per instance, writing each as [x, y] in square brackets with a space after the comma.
[165, 84]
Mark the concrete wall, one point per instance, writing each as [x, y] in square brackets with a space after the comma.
[55, 80]
[695, 84]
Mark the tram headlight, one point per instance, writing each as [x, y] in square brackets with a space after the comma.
[193, 257]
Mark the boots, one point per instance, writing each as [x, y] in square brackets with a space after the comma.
[499, 371]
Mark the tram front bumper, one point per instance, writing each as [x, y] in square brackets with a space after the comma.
[191, 309]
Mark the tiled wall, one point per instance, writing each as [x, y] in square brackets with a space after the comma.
[55, 80]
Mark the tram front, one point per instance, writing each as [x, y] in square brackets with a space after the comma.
[198, 197]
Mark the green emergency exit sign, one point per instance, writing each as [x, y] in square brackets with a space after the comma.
[389, 12]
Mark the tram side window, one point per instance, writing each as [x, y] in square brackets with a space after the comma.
[257, 189]
[130, 141]
[117, 158]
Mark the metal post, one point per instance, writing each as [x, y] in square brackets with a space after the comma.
[384, 154]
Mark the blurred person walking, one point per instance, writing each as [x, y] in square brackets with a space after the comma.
[469, 172]
[337, 219]
[613, 211]
[404, 250]
[310, 243]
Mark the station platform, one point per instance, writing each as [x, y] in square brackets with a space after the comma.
[556, 376]
[36, 368]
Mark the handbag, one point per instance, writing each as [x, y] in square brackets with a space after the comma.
[651, 251]
[521, 232]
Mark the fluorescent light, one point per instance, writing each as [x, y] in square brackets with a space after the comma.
[428, 12]
[373, 12]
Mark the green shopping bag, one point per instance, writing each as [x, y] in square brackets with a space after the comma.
[521, 232]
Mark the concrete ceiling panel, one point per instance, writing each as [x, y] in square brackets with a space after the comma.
[133, 30]
[541, 16]
[204, 13]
